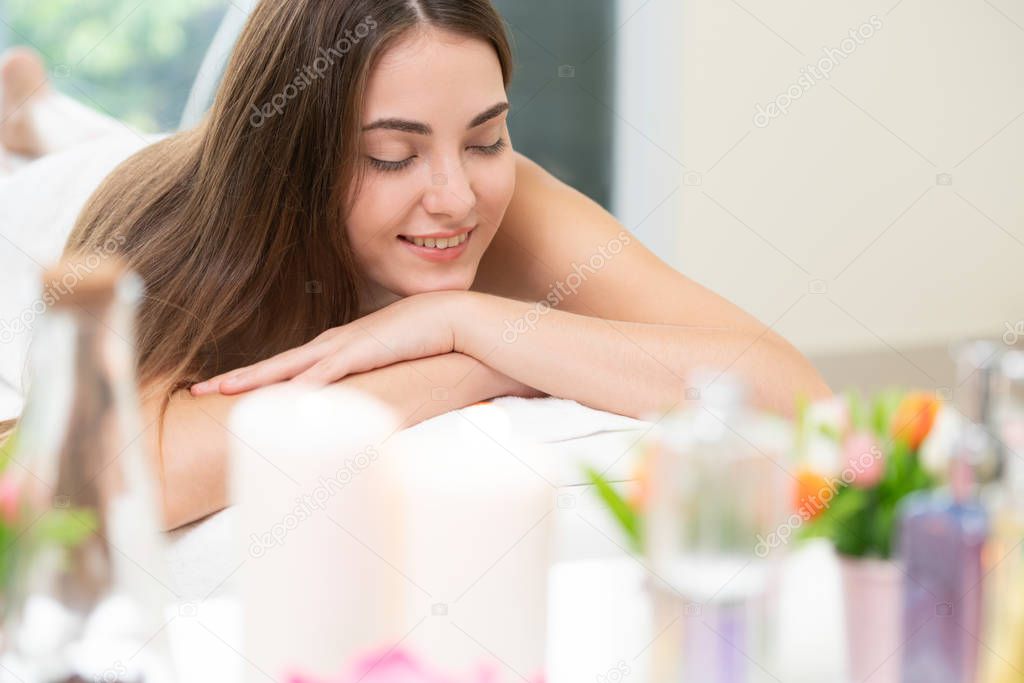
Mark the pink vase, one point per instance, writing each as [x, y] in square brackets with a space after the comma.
[873, 604]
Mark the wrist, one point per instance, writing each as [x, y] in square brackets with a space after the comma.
[467, 314]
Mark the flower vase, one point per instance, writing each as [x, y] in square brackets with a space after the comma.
[873, 604]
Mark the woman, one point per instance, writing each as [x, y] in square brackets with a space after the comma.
[351, 211]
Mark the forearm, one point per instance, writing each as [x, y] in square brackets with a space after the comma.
[193, 458]
[191, 453]
[626, 367]
[420, 389]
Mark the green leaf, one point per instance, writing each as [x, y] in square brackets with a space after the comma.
[886, 403]
[66, 527]
[803, 404]
[829, 431]
[8, 449]
[627, 517]
[858, 412]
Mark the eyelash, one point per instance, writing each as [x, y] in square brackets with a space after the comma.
[395, 166]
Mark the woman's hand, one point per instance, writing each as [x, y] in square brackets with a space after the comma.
[417, 326]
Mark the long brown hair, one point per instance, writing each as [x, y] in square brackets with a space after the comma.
[237, 226]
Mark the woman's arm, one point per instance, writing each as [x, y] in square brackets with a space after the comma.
[625, 367]
[559, 247]
[193, 457]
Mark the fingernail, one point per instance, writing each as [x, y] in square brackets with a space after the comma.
[199, 388]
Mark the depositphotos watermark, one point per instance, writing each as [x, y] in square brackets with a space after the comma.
[617, 674]
[560, 290]
[314, 501]
[55, 290]
[812, 74]
[1014, 333]
[311, 73]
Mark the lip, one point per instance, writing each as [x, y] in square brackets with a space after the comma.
[443, 235]
[440, 255]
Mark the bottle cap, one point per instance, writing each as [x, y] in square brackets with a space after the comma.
[975, 360]
[77, 282]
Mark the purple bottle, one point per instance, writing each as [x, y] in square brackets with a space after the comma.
[941, 537]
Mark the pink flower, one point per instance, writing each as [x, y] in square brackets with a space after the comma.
[399, 666]
[10, 497]
[864, 464]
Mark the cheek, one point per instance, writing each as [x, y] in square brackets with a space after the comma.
[494, 189]
[377, 209]
[382, 204]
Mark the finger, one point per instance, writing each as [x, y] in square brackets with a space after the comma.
[360, 353]
[276, 369]
[324, 372]
[212, 385]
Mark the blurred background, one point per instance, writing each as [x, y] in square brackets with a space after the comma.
[851, 174]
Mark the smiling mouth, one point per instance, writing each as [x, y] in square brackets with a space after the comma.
[439, 243]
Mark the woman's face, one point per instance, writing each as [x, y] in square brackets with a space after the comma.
[439, 165]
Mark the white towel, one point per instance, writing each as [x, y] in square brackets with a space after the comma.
[543, 420]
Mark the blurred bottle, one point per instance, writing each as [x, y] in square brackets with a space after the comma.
[1004, 584]
[91, 609]
[940, 538]
[716, 513]
[979, 395]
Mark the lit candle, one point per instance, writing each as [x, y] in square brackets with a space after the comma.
[476, 508]
[315, 521]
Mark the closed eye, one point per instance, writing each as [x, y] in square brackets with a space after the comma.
[382, 165]
[491, 149]
[395, 166]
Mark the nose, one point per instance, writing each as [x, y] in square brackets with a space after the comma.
[449, 191]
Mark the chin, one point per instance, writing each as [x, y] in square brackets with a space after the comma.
[437, 283]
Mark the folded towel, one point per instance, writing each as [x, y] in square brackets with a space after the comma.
[557, 438]
[542, 420]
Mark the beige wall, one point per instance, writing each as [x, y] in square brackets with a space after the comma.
[885, 211]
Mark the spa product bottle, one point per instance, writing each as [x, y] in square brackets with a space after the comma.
[979, 398]
[1003, 655]
[87, 583]
[940, 539]
[718, 497]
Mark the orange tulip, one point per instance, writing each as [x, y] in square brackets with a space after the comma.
[914, 418]
[640, 491]
[813, 494]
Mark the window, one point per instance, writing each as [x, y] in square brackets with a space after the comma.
[132, 60]
[563, 89]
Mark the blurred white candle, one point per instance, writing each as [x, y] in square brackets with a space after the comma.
[317, 582]
[475, 513]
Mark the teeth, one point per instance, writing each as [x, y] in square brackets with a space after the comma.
[442, 243]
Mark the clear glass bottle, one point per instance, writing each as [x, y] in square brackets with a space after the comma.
[941, 536]
[88, 585]
[719, 493]
[978, 398]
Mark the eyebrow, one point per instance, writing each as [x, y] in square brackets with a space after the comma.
[417, 128]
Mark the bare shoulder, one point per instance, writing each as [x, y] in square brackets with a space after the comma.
[557, 244]
[547, 227]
